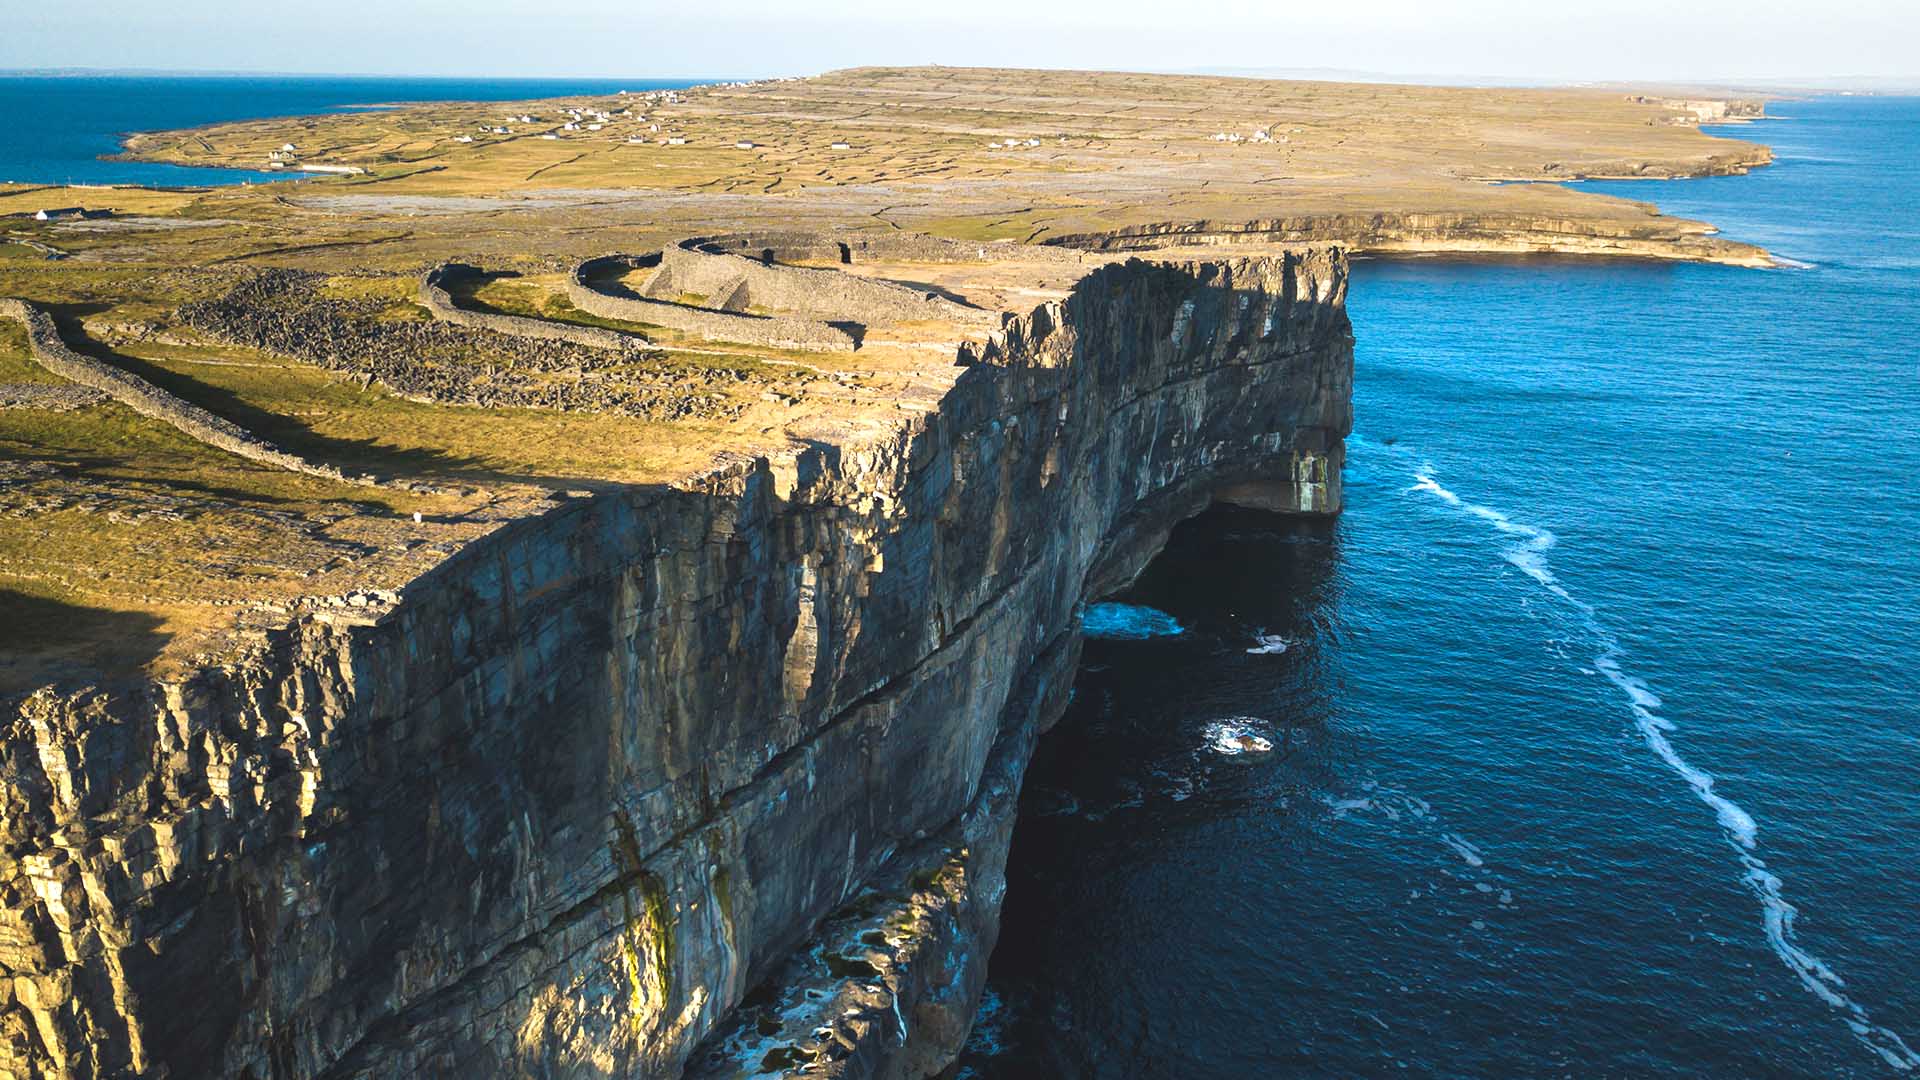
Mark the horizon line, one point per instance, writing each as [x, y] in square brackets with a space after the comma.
[1883, 83]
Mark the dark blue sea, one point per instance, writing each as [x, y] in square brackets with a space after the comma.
[58, 127]
[1594, 721]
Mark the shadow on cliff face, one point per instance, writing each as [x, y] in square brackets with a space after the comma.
[1170, 744]
[43, 640]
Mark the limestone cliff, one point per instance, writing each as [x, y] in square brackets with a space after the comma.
[1500, 233]
[557, 807]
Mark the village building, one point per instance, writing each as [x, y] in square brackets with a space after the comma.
[67, 213]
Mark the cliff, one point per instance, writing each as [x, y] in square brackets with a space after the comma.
[557, 806]
[1498, 233]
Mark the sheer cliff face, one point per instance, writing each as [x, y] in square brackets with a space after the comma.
[557, 807]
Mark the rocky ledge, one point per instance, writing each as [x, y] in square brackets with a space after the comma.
[714, 777]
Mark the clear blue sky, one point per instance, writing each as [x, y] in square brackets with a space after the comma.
[1545, 39]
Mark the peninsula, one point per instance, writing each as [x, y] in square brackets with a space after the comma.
[571, 588]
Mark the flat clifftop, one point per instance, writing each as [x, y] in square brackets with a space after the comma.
[297, 311]
[570, 801]
[1035, 156]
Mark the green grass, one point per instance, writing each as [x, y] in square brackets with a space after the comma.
[17, 365]
[330, 419]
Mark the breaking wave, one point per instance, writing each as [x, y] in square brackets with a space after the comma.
[1128, 622]
[1234, 736]
[1269, 645]
[1528, 553]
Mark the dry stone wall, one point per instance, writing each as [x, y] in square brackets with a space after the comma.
[555, 807]
[778, 332]
[436, 299]
[824, 294]
[43, 341]
[282, 312]
[869, 247]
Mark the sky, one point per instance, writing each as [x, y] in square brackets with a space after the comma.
[1541, 40]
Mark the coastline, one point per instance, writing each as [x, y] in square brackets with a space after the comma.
[799, 536]
[1579, 226]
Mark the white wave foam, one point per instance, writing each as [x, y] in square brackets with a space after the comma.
[1235, 736]
[1270, 645]
[1469, 854]
[1738, 826]
[1128, 622]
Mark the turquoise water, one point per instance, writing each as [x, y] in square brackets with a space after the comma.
[1594, 721]
[58, 127]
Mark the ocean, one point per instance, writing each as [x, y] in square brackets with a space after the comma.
[1585, 743]
[1594, 720]
[59, 127]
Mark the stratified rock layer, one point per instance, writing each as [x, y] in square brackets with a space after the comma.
[559, 804]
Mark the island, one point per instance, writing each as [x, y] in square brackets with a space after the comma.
[570, 588]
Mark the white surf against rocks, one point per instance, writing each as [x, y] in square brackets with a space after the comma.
[1128, 622]
[1269, 645]
[1528, 554]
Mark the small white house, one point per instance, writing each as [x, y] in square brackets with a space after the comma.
[595, 127]
[841, 146]
[550, 135]
[675, 140]
[743, 144]
[288, 148]
[463, 138]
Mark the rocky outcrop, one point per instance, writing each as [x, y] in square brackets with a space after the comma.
[439, 302]
[1707, 110]
[712, 323]
[1466, 233]
[555, 808]
[281, 312]
[136, 393]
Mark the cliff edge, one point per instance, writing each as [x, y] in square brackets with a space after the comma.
[558, 805]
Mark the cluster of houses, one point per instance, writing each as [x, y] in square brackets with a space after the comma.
[587, 119]
[1012, 143]
[1260, 135]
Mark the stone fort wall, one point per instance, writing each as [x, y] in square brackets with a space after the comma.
[710, 323]
[435, 298]
[734, 283]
